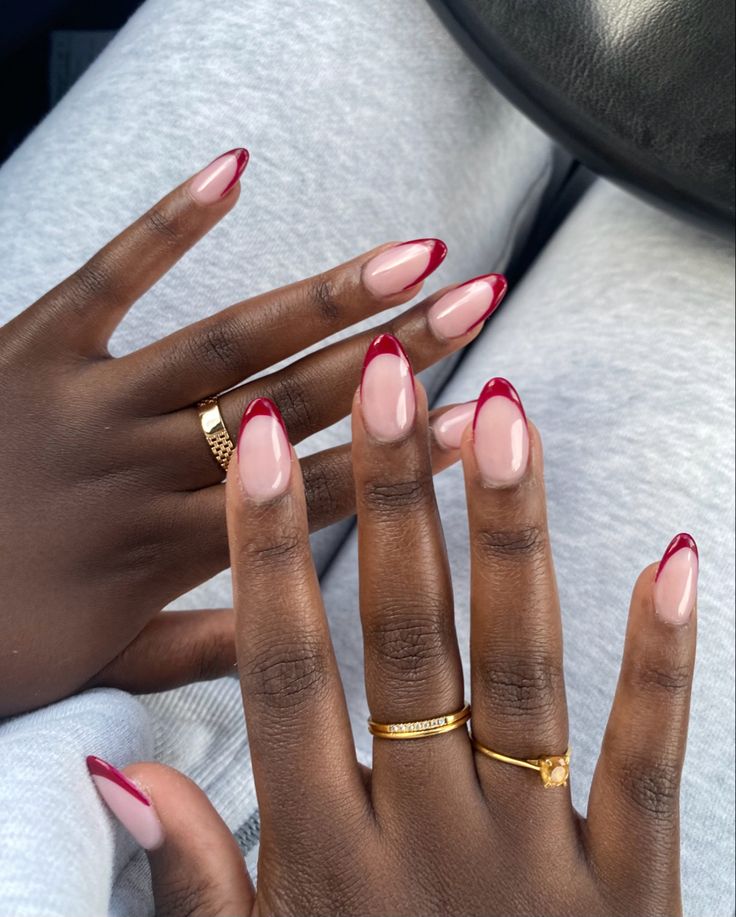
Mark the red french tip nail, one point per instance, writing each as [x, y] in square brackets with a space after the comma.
[499, 285]
[261, 407]
[385, 344]
[498, 388]
[242, 156]
[437, 254]
[99, 768]
[683, 540]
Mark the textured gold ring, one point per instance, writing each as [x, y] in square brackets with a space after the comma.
[554, 770]
[418, 729]
[215, 431]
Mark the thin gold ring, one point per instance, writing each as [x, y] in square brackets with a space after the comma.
[418, 729]
[215, 431]
[554, 770]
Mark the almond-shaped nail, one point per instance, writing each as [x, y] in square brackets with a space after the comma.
[264, 454]
[387, 398]
[449, 427]
[216, 179]
[403, 266]
[127, 803]
[467, 306]
[500, 434]
[676, 582]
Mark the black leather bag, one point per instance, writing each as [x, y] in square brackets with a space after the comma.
[641, 91]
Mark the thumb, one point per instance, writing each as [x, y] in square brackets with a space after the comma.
[175, 648]
[196, 866]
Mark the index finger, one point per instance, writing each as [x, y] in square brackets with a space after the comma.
[85, 309]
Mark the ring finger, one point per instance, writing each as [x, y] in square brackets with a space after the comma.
[518, 693]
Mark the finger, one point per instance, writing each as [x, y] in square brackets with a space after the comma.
[633, 814]
[84, 309]
[174, 649]
[412, 660]
[303, 757]
[316, 391]
[328, 485]
[197, 869]
[518, 693]
[220, 351]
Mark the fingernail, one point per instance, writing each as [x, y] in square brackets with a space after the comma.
[676, 582]
[461, 309]
[127, 803]
[500, 434]
[403, 266]
[387, 390]
[264, 456]
[216, 179]
[450, 426]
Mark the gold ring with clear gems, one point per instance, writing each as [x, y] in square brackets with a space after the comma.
[215, 431]
[418, 729]
[554, 770]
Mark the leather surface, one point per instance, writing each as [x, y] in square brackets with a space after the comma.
[640, 90]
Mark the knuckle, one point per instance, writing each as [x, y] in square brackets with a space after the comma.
[92, 280]
[323, 294]
[266, 552]
[671, 682]
[409, 643]
[653, 787]
[295, 405]
[522, 686]
[521, 543]
[386, 498]
[157, 223]
[285, 674]
[184, 895]
[322, 492]
[215, 348]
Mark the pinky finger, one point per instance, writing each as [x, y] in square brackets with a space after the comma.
[197, 869]
[634, 802]
[174, 649]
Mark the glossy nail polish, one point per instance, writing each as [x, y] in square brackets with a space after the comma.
[216, 179]
[127, 803]
[403, 266]
[264, 455]
[449, 427]
[676, 582]
[387, 390]
[462, 309]
[500, 434]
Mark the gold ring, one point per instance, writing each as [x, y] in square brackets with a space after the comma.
[434, 726]
[553, 769]
[215, 431]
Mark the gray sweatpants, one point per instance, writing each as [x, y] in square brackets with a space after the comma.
[365, 124]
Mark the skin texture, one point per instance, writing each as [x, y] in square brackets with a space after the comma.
[435, 827]
[112, 503]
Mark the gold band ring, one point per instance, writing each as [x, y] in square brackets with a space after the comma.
[553, 769]
[215, 431]
[434, 726]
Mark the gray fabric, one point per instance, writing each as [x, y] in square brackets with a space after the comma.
[365, 123]
[620, 342]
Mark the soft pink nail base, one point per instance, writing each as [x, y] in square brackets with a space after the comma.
[387, 398]
[216, 179]
[467, 306]
[449, 427]
[403, 266]
[676, 582]
[126, 801]
[500, 434]
[264, 454]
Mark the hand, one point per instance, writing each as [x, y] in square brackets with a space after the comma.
[111, 499]
[436, 827]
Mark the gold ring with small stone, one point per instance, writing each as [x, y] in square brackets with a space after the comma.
[554, 770]
[215, 431]
[419, 729]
